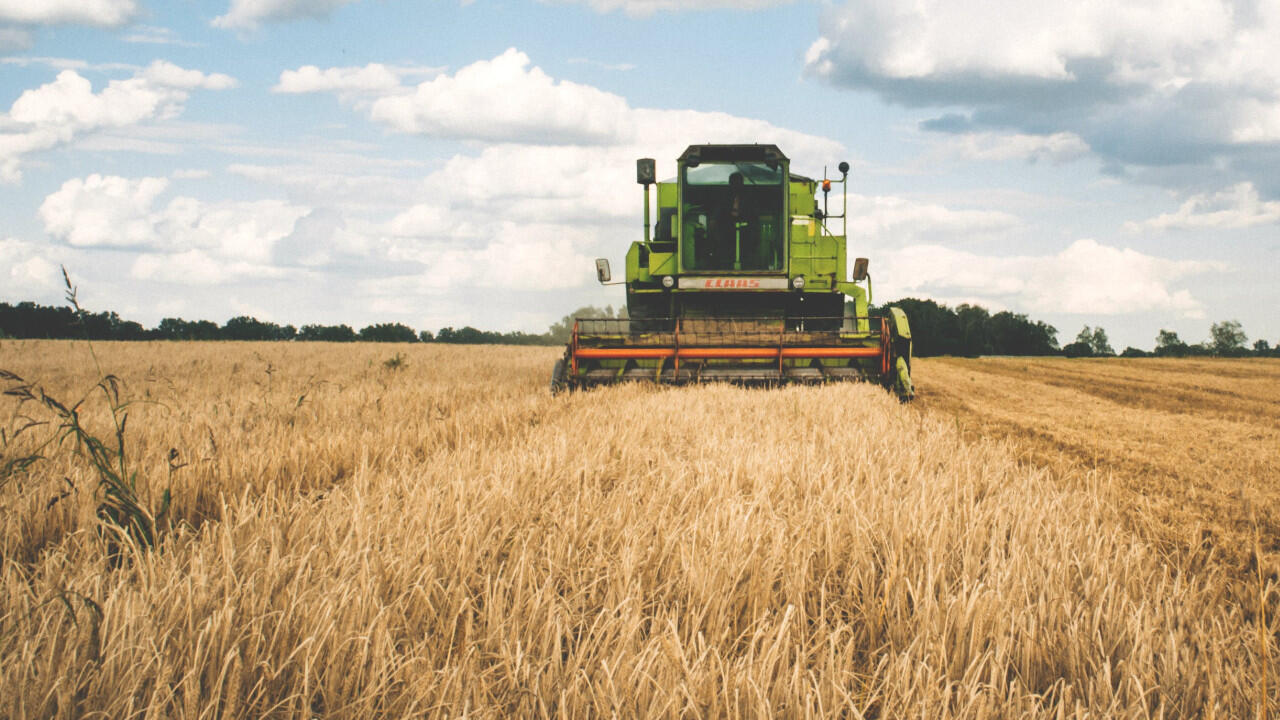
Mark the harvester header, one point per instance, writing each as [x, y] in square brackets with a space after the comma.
[740, 279]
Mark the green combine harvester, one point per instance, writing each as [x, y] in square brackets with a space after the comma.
[742, 281]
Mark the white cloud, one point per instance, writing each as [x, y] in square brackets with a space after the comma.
[106, 13]
[1086, 278]
[330, 183]
[643, 8]
[514, 257]
[166, 74]
[994, 146]
[1236, 207]
[103, 211]
[896, 220]
[57, 112]
[1146, 83]
[373, 77]
[156, 35]
[248, 14]
[1008, 38]
[218, 240]
[25, 272]
[198, 267]
[505, 99]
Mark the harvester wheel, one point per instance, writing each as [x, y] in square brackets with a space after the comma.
[558, 380]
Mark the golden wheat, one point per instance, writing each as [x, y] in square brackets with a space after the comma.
[445, 539]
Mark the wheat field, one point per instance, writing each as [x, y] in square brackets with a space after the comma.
[423, 531]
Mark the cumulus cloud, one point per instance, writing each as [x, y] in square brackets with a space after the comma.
[248, 14]
[1236, 207]
[57, 112]
[1086, 277]
[374, 77]
[116, 212]
[25, 271]
[103, 211]
[104, 13]
[505, 99]
[1141, 83]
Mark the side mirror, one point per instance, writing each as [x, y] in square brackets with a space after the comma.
[859, 269]
[646, 172]
[602, 271]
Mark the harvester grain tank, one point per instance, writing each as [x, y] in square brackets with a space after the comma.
[741, 280]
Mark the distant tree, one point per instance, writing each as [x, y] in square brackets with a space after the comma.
[935, 329]
[1096, 339]
[1227, 338]
[1078, 349]
[1168, 344]
[244, 327]
[1100, 344]
[1132, 352]
[327, 333]
[426, 336]
[388, 332]
[1261, 348]
[973, 330]
[1011, 334]
[561, 331]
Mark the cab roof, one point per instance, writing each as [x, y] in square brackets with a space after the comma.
[729, 153]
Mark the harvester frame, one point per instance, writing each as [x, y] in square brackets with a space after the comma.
[742, 282]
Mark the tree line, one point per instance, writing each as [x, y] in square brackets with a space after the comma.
[30, 320]
[966, 330]
[971, 330]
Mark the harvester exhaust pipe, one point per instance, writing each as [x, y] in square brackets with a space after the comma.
[646, 175]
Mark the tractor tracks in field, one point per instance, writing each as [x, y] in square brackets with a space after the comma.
[1183, 449]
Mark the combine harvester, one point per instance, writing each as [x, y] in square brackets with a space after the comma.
[742, 281]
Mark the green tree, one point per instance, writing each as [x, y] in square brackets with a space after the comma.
[1228, 337]
[388, 332]
[561, 331]
[327, 333]
[1168, 344]
[1099, 342]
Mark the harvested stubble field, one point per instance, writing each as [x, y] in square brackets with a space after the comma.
[350, 537]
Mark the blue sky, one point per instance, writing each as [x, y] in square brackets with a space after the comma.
[445, 163]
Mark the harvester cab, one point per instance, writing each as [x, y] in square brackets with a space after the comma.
[740, 279]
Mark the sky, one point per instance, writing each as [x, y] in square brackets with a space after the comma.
[444, 163]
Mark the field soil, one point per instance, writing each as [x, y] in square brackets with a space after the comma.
[367, 530]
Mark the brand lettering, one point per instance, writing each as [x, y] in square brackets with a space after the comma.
[730, 283]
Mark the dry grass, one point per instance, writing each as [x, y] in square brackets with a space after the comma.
[1193, 445]
[445, 539]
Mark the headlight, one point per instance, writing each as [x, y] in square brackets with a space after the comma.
[797, 282]
[668, 281]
